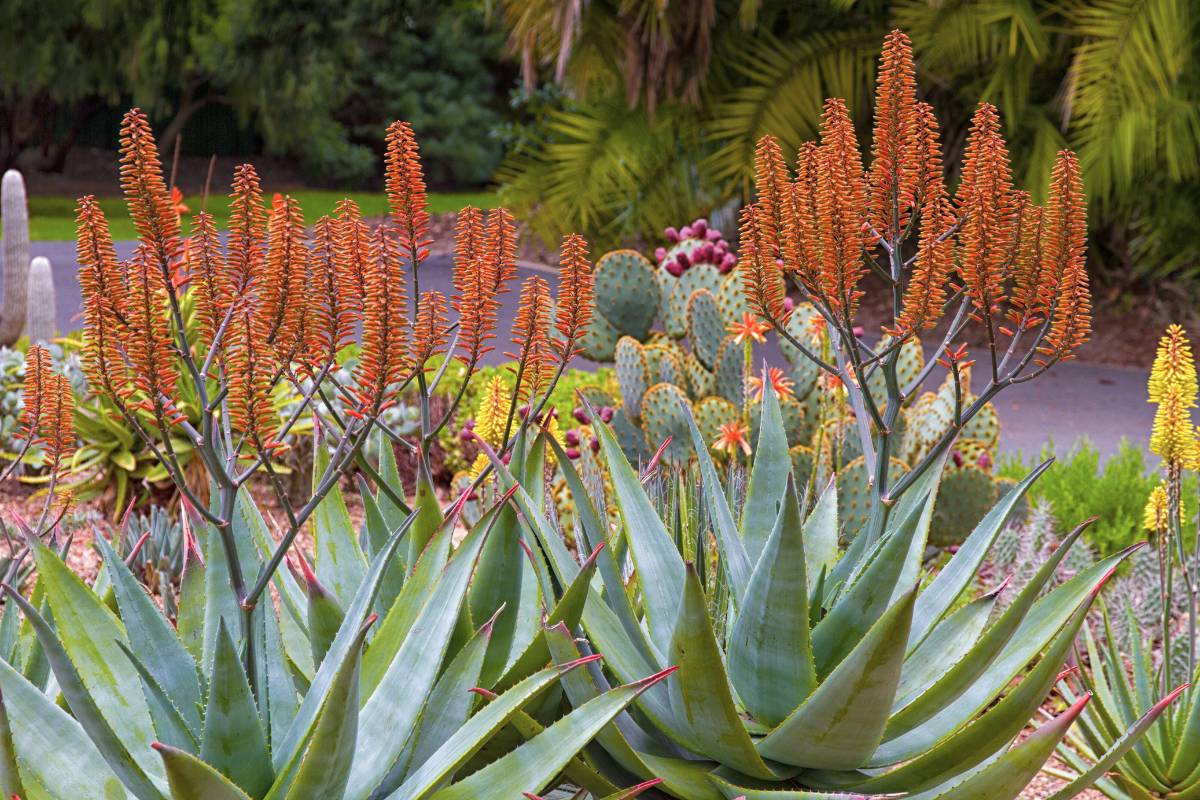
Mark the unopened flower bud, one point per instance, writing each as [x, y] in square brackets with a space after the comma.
[660, 254]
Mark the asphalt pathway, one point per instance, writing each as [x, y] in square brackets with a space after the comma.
[1101, 402]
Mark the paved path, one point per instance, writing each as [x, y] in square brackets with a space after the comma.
[1101, 402]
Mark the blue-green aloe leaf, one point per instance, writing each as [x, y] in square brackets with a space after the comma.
[233, 741]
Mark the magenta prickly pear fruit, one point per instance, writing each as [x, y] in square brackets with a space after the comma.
[685, 232]
[581, 416]
[660, 254]
[683, 260]
[700, 228]
[672, 235]
[728, 262]
[714, 235]
[595, 445]
[572, 453]
[571, 437]
[674, 268]
[606, 413]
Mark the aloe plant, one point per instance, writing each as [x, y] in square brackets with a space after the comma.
[804, 669]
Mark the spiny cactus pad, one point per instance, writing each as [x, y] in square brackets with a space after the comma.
[706, 327]
[966, 494]
[909, 363]
[804, 371]
[984, 426]
[599, 341]
[677, 291]
[854, 493]
[803, 460]
[701, 382]
[729, 371]
[630, 437]
[711, 413]
[633, 374]
[663, 416]
[627, 293]
[666, 361]
[731, 299]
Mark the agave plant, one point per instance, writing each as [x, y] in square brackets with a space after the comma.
[806, 673]
[1166, 763]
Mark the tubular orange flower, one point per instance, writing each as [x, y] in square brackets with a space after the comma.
[801, 237]
[749, 328]
[771, 189]
[1030, 294]
[352, 247]
[150, 205]
[383, 362]
[781, 384]
[330, 322]
[574, 295]
[206, 274]
[986, 206]
[468, 249]
[1174, 365]
[892, 185]
[501, 250]
[1065, 244]
[247, 230]
[250, 367]
[283, 292]
[762, 280]
[925, 295]
[429, 332]
[406, 192]
[842, 203]
[473, 294]
[36, 396]
[148, 346]
[530, 334]
[58, 425]
[102, 284]
[734, 436]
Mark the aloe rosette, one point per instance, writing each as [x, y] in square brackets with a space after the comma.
[843, 674]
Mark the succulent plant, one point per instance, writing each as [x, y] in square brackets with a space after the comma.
[804, 669]
[40, 317]
[28, 302]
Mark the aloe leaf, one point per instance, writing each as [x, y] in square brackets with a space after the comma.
[86, 635]
[192, 779]
[52, 747]
[731, 791]
[189, 623]
[634, 791]
[377, 533]
[325, 615]
[1008, 775]
[10, 774]
[427, 513]
[169, 723]
[534, 764]
[280, 692]
[390, 715]
[233, 741]
[700, 695]
[842, 722]
[939, 596]
[653, 550]
[734, 559]
[1118, 749]
[425, 777]
[154, 641]
[325, 766]
[85, 709]
[768, 476]
[770, 646]
[821, 535]
[341, 564]
[862, 604]
[963, 748]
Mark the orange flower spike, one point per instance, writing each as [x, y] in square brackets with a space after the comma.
[1065, 246]
[431, 329]
[762, 279]
[405, 184]
[150, 205]
[986, 204]
[102, 284]
[285, 285]
[58, 424]
[149, 345]
[574, 302]
[749, 328]
[801, 237]
[892, 175]
[781, 384]
[207, 275]
[383, 361]
[501, 247]
[734, 436]
[36, 394]
[472, 285]
[530, 335]
[328, 325]
[771, 191]
[1031, 284]
[247, 241]
[842, 205]
[925, 295]
[352, 249]
[469, 247]
[250, 367]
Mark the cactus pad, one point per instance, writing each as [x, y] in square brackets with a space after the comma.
[984, 426]
[701, 382]
[966, 494]
[662, 416]
[804, 371]
[677, 291]
[711, 413]
[854, 493]
[630, 437]
[666, 361]
[731, 299]
[729, 371]
[633, 374]
[803, 461]
[705, 326]
[909, 362]
[599, 341]
[627, 293]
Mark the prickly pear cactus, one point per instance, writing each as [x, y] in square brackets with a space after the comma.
[966, 494]
[701, 381]
[693, 245]
[731, 299]
[909, 363]
[705, 327]
[800, 325]
[627, 298]
[854, 493]
[711, 413]
[730, 377]
[803, 461]
[677, 291]
[663, 416]
[633, 374]
[666, 360]
[631, 437]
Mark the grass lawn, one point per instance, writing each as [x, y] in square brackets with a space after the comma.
[53, 218]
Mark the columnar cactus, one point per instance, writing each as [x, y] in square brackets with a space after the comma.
[16, 256]
[39, 316]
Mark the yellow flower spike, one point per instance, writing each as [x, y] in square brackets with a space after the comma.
[493, 411]
[1173, 365]
[1155, 516]
[1173, 436]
